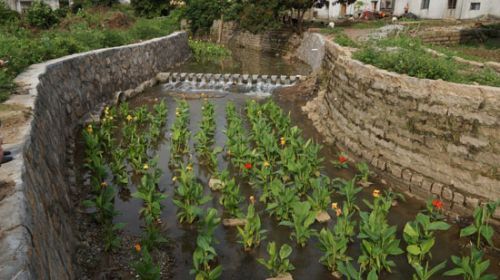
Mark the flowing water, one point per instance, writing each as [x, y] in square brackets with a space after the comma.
[236, 263]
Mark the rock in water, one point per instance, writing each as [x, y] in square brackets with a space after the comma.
[234, 222]
[215, 184]
[284, 276]
[322, 217]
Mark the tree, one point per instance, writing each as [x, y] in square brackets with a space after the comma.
[302, 6]
[150, 8]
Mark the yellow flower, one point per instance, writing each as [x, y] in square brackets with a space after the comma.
[146, 166]
[129, 118]
[282, 141]
[174, 178]
[266, 164]
[338, 212]
[376, 193]
[252, 199]
[335, 205]
[90, 129]
[189, 167]
[137, 247]
[104, 184]
[110, 118]
[135, 118]
[229, 152]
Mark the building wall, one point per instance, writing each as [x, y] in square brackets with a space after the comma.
[333, 10]
[438, 9]
[18, 6]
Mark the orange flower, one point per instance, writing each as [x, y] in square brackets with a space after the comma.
[438, 204]
[137, 247]
[376, 193]
[338, 212]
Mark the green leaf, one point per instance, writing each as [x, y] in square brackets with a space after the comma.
[468, 231]
[454, 272]
[487, 233]
[285, 251]
[409, 230]
[413, 249]
[372, 275]
[438, 226]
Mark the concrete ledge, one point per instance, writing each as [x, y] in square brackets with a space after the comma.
[37, 237]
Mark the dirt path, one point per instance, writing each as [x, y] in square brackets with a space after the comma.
[12, 117]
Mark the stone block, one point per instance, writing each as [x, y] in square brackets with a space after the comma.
[416, 179]
[395, 169]
[447, 193]
[406, 175]
[426, 185]
[458, 198]
[437, 188]
[471, 202]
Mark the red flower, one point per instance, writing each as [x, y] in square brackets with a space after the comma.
[438, 204]
[342, 159]
[248, 165]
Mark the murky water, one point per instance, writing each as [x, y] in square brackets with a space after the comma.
[236, 263]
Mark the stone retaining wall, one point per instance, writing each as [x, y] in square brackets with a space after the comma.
[37, 237]
[436, 137]
[270, 41]
[455, 36]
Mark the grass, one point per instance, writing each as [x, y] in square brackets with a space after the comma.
[485, 51]
[89, 29]
[340, 37]
[408, 56]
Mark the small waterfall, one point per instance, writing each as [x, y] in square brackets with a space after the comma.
[260, 85]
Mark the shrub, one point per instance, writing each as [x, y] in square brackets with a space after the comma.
[6, 14]
[41, 15]
[201, 14]
[260, 17]
[151, 8]
[206, 51]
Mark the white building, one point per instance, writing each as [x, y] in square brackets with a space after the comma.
[21, 5]
[335, 10]
[452, 9]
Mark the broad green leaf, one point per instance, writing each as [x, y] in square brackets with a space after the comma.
[413, 249]
[468, 231]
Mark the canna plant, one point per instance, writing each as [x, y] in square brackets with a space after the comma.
[334, 248]
[204, 256]
[419, 235]
[148, 192]
[205, 136]
[118, 167]
[180, 129]
[145, 267]
[364, 173]
[112, 240]
[282, 199]
[349, 191]
[378, 239]
[350, 272]
[302, 219]
[480, 226]
[320, 197]
[231, 198]
[251, 234]
[345, 226]
[103, 204]
[471, 267]
[278, 263]
[189, 196]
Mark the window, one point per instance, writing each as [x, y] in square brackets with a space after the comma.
[476, 6]
[425, 4]
[452, 4]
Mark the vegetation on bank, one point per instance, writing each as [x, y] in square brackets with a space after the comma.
[407, 55]
[42, 34]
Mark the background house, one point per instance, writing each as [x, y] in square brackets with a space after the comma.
[21, 5]
[452, 9]
[335, 10]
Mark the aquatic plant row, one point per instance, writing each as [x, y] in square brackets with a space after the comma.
[286, 176]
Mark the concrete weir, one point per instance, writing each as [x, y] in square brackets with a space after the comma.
[235, 79]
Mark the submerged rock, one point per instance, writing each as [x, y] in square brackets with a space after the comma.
[215, 184]
[234, 222]
[322, 217]
[284, 276]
